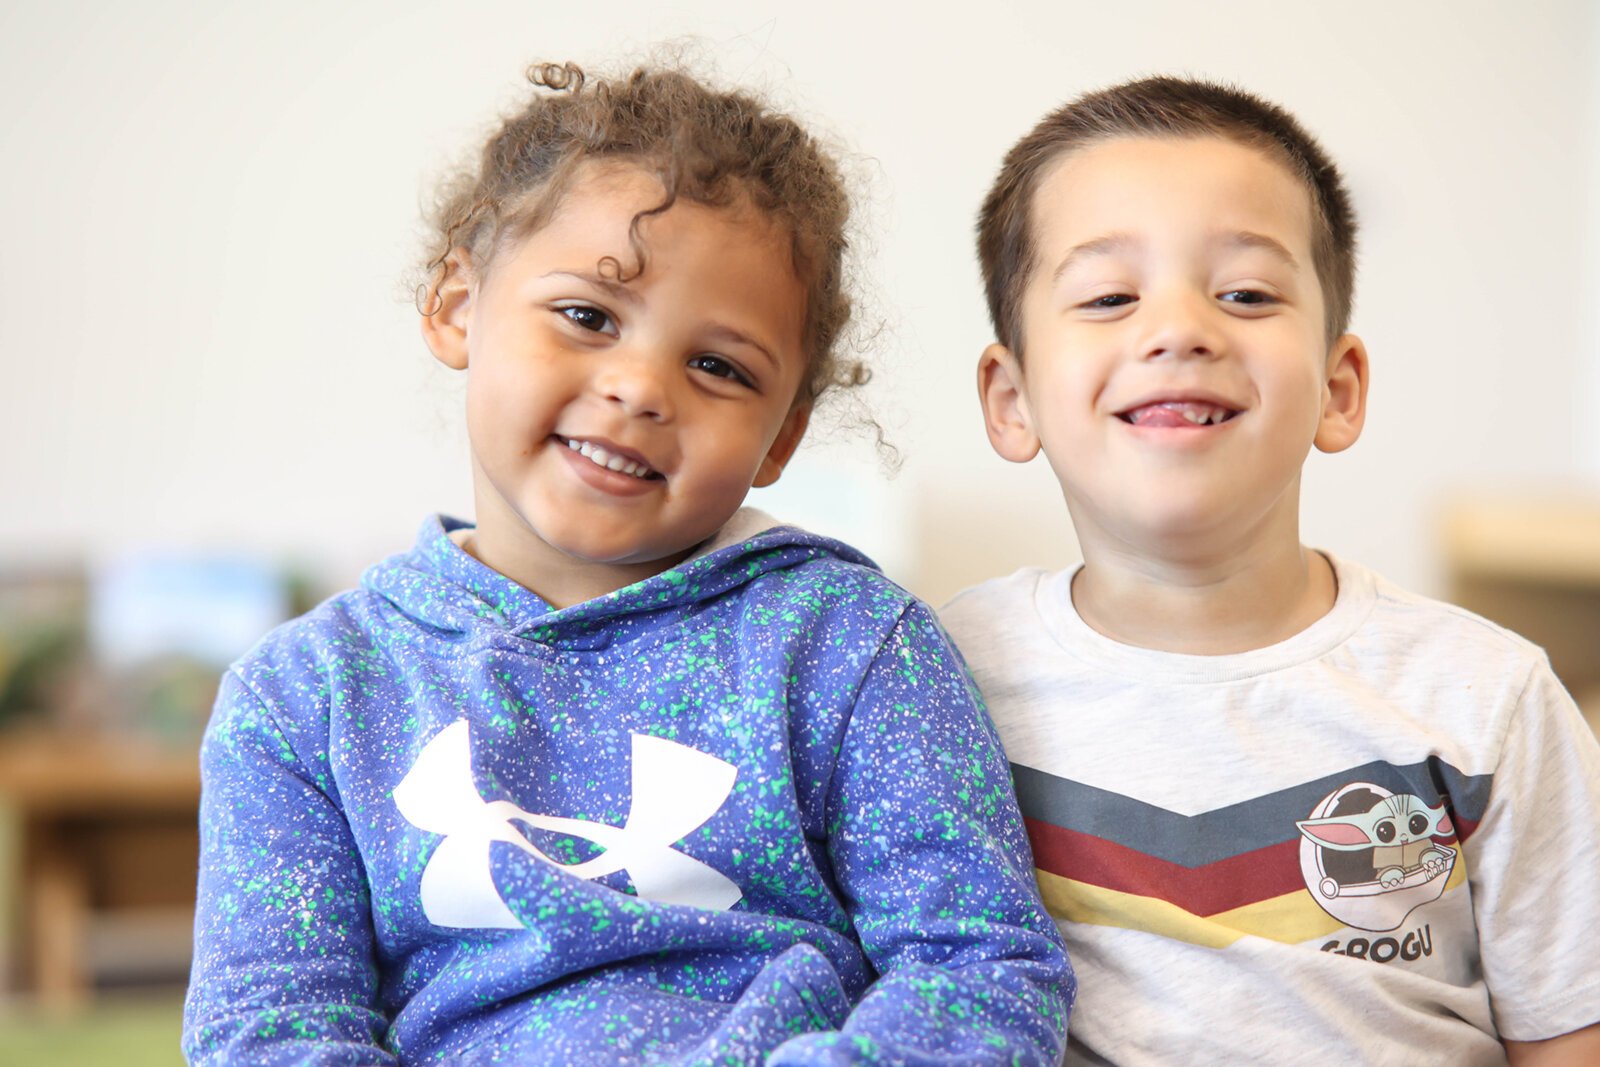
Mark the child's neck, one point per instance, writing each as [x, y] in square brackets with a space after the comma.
[1232, 602]
[503, 542]
[559, 581]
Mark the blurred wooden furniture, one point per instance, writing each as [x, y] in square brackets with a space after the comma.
[1532, 564]
[106, 850]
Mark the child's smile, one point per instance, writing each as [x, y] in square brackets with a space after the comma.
[618, 417]
[609, 458]
[1177, 413]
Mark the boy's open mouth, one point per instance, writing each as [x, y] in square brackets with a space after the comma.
[611, 461]
[1177, 413]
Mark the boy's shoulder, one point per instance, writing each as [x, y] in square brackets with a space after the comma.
[1009, 598]
[1007, 615]
[1431, 630]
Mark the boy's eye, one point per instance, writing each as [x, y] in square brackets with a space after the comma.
[589, 318]
[718, 367]
[1111, 300]
[1245, 296]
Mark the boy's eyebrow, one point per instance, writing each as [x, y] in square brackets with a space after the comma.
[1099, 246]
[1273, 247]
[1118, 242]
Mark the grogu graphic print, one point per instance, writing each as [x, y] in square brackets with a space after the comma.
[1372, 856]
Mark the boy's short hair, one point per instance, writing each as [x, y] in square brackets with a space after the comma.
[1159, 107]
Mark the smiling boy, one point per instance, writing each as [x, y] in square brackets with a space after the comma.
[1282, 810]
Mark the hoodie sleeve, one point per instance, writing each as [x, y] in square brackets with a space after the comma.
[283, 966]
[933, 861]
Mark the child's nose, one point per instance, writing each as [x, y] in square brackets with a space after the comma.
[638, 382]
[1181, 328]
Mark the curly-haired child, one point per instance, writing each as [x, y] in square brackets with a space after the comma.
[622, 772]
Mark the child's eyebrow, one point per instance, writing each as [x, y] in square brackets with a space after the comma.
[1273, 247]
[720, 332]
[599, 281]
[1099, 246]
[1113, 243]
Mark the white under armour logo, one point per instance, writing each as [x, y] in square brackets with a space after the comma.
[675, 790]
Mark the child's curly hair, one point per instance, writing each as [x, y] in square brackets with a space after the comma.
[705, 145]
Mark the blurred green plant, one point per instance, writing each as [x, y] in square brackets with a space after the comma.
[43, 641]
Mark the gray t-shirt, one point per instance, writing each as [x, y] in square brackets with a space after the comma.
[1375, 842]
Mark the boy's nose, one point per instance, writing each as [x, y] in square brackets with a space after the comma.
[636, 382]
[1180, 328]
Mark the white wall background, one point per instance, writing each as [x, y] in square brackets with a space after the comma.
[207, 210]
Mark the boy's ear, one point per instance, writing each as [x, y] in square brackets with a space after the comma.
[448, 304]
[1344, 399]
[783, 446]
[1005, 405]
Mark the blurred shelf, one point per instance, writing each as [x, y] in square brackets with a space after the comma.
[106, 850]
[49, 772]
[1553, 539]
[1531, 562]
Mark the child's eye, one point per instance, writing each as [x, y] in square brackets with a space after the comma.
[1111, 300]
[586, 317]
[1246, 296]
[718, 367]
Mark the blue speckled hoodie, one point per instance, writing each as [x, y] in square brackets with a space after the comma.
[748, 810]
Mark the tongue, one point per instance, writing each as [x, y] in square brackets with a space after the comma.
[1160, 415]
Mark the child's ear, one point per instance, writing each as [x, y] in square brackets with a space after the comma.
[445, 308]
[1005, 405]
[1344, 397]
[783, 446]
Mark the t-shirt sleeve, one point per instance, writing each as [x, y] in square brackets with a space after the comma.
[1534, 866]
[283, 969]
[932, 860]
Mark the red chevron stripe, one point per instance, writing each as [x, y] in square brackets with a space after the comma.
[1235, 882]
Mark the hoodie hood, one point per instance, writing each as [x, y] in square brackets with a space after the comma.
[439, 584]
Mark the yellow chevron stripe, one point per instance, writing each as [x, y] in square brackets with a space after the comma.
[1292, 918]
[1081, 902]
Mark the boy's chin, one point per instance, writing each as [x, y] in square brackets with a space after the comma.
[1172, 529]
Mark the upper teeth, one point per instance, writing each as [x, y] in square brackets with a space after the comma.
[608, 460]
[1201, 413]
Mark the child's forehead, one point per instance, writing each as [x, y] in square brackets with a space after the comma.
[621, 200]
[1148, 188]
[622, 204]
